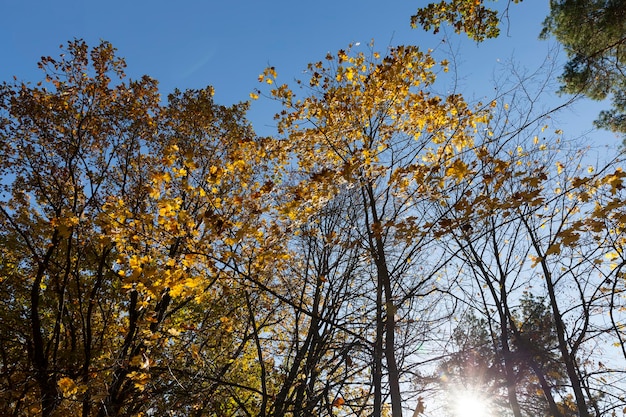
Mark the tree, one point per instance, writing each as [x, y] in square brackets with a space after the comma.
[366, 126]
[162, 259]
[120, 222]
[321, 345]
[63, 151]
[592, 32]
[480, 361]
[547, 243]
[470, 16]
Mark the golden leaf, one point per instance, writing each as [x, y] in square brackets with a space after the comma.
[458, 170]
[67, 386]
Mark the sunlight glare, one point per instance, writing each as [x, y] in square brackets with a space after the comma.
[471, 404]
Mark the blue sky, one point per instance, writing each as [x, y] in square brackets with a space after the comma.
[226, 44]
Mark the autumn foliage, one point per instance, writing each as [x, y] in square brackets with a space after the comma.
[160, 258]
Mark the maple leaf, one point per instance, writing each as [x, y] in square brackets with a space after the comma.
[67, 386]
[338, 402]
[458, 170]
[569, 237]
[554, 249]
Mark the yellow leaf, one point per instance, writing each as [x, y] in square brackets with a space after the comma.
[136, 360]
[173, 332]
[559, 167]
[140, 379]
[154, 193]
[228, 326]
[458, 170]
[615, 180]
[535, 260]
[350, 73]
[67, 386]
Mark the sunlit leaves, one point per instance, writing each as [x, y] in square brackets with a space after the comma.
[67, 386]
[360, 103]
[457, 170]
[473, 17]
[167, 253]
[469, 16]
[129, 215]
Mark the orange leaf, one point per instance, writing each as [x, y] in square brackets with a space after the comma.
[338, 402]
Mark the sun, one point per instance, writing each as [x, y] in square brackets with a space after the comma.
[470, 404]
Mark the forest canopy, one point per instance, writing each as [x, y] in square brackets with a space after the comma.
[388, 251]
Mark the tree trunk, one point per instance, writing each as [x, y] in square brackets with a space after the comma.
[384, 286]
[566, 356]
[49, 395]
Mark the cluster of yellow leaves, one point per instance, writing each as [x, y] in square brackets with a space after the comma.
[140, 379]
[209, 212]
[67, 386]
[151, 216]
[470, 16]
[347, 129]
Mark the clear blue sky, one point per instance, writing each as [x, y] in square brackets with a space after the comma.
[226, 44]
